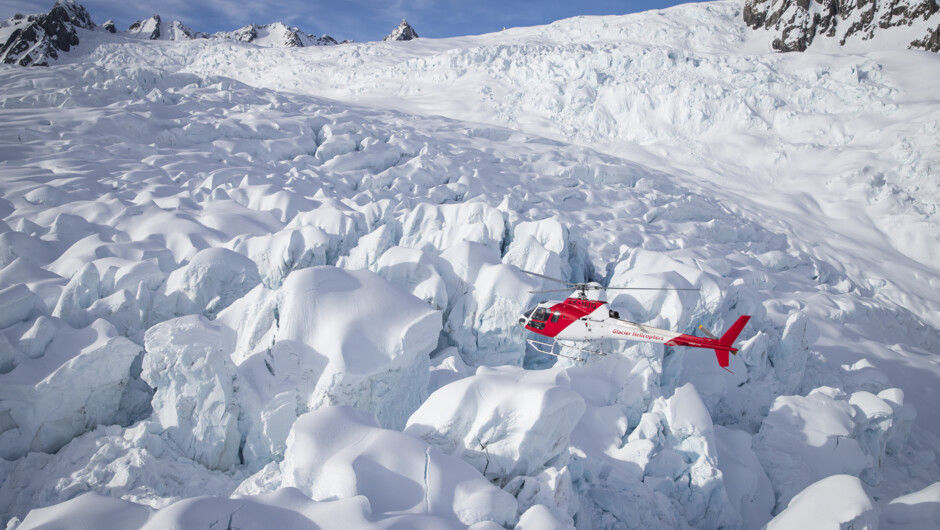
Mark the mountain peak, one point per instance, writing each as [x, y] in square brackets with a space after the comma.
[36, 39]
[404, 31]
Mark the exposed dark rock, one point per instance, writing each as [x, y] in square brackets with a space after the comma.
[930, 42]
[404, 31]
[37, 39]
[109, 26]
[798, 22]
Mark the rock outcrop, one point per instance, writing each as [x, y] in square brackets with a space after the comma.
[798, 23]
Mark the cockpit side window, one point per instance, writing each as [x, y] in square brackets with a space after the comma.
[541, 314]
[555, 316]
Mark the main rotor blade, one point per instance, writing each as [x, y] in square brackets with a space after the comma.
[552, 291]
[566, 282]
[650, 289]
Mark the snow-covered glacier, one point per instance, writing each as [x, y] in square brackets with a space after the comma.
[252, 286]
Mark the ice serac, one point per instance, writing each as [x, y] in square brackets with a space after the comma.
[827, 432]
[340, 452]
[187, 363]
[17, 303]
[375, 338]
[76, 385]
[279, 253]
[210, 282]
[748, 487]
[541, 247]
[835, 502]
[429, 226]
[798, 24]
[138, 462]
[414, 270]
[505, 422]
[488, 297]
[327, 336]
[38, 39]
[676, 448]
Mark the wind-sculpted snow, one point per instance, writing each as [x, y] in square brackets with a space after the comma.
[837, 501]
[502, 422]
[373, 355]
[199, 256]
[397, 472]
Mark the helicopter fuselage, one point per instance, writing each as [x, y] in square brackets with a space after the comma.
[580, 319]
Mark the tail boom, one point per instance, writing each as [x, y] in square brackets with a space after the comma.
[723, 346]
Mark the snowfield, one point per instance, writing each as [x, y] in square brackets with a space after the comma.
[260, 286]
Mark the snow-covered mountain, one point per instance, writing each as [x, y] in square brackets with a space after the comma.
[404, 31]
[276, 34]
[153, 28]
[264, 286]
[35, 40]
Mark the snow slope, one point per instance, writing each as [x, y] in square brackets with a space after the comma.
[219, 248]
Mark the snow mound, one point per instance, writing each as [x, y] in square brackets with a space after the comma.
[504, 422]
[340, 452]
[835, 502]
[920, 509]
[539, 517]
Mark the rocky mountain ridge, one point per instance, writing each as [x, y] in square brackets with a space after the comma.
[37, 39]
[797, 23]
[273, 34]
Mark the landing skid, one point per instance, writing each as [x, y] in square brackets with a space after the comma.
[549, 348]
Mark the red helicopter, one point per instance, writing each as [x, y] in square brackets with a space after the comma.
[578, 320]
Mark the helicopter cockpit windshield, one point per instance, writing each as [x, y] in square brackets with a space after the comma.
[541, 314]
[535, 317]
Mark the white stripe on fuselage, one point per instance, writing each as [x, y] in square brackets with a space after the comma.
[599, 325]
